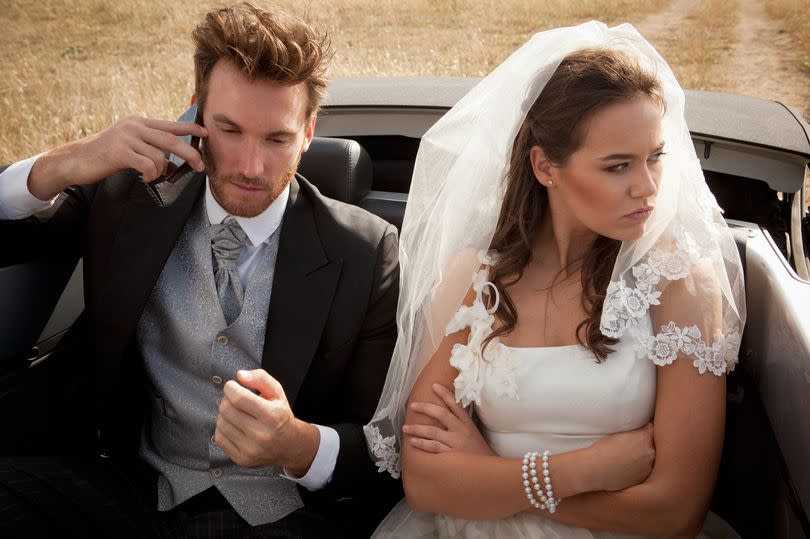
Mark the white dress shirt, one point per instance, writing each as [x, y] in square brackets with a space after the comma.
[17, 202]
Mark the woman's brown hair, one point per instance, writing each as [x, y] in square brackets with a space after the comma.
[268, 44]
[584, 83]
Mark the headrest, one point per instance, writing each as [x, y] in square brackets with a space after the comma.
[339, 168]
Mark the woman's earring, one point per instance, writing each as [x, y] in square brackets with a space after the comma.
[551, 183]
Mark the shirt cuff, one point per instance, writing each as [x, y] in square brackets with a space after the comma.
[16, 201]
[323, 465]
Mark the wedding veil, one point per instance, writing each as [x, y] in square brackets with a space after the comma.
[453, 208]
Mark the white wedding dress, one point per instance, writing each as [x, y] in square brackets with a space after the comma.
[533, 399]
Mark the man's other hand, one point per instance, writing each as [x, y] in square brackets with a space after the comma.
[261, 430]
[137, 143]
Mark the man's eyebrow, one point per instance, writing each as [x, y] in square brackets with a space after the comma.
[278, 133]
[613, 156]
[224, 119]
[281, 133]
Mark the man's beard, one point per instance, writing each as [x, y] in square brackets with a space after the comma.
[250, 206]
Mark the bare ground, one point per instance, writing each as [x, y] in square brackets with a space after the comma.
[659, 28]
[753, 54]
[761, 63]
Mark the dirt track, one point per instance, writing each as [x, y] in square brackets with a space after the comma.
[757, 62]
[661, 28]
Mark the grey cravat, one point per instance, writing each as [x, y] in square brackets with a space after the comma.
[227, 241]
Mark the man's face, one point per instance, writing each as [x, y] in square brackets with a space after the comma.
[257, 131]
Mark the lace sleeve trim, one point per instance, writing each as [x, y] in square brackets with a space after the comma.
[720, 358]
[626, 307]
[475, 366]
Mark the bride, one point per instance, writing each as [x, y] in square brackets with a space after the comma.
[571, 303]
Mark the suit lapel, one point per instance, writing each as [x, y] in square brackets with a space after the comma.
[145, 238]
[303, 286]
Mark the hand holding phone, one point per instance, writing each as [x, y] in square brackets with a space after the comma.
[137, 143]
[177, 166]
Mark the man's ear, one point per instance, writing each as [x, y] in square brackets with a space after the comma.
[309, 132]
[544, 170]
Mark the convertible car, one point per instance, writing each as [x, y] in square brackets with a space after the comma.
[755, 156]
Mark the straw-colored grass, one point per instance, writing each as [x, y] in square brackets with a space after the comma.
[697, 45]
[72, 67]
[792, 18]
[453, 38]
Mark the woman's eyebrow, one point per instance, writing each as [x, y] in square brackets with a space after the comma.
[617, 156]
[626, 155]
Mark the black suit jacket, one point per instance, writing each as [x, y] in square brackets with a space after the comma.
[330, 329]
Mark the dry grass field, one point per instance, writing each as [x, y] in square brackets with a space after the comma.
[72, 67]
[791, 16]
[694, 38]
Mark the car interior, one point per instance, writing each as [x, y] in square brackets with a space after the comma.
[754, 492]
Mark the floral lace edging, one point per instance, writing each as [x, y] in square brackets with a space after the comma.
[626, 306]
[385, 450]
[474, 364]
[720, 358]
[469, 363]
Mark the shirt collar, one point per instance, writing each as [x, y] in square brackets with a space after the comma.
[258, 228]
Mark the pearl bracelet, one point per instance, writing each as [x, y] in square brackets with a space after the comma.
[530, 470]
[531, 482]
[551, 503]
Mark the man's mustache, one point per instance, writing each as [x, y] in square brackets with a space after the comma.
[244, 180]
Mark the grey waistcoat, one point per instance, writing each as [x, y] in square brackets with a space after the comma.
[189, 354]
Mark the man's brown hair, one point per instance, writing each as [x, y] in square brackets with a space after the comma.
[268, 44]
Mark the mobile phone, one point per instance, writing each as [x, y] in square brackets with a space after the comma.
[176, 167]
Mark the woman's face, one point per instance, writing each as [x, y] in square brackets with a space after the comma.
[608, 186]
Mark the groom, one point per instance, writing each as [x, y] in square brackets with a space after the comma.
[237, 333]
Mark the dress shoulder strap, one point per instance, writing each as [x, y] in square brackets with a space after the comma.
[475, 362]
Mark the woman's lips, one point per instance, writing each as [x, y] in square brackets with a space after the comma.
[640, 215]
